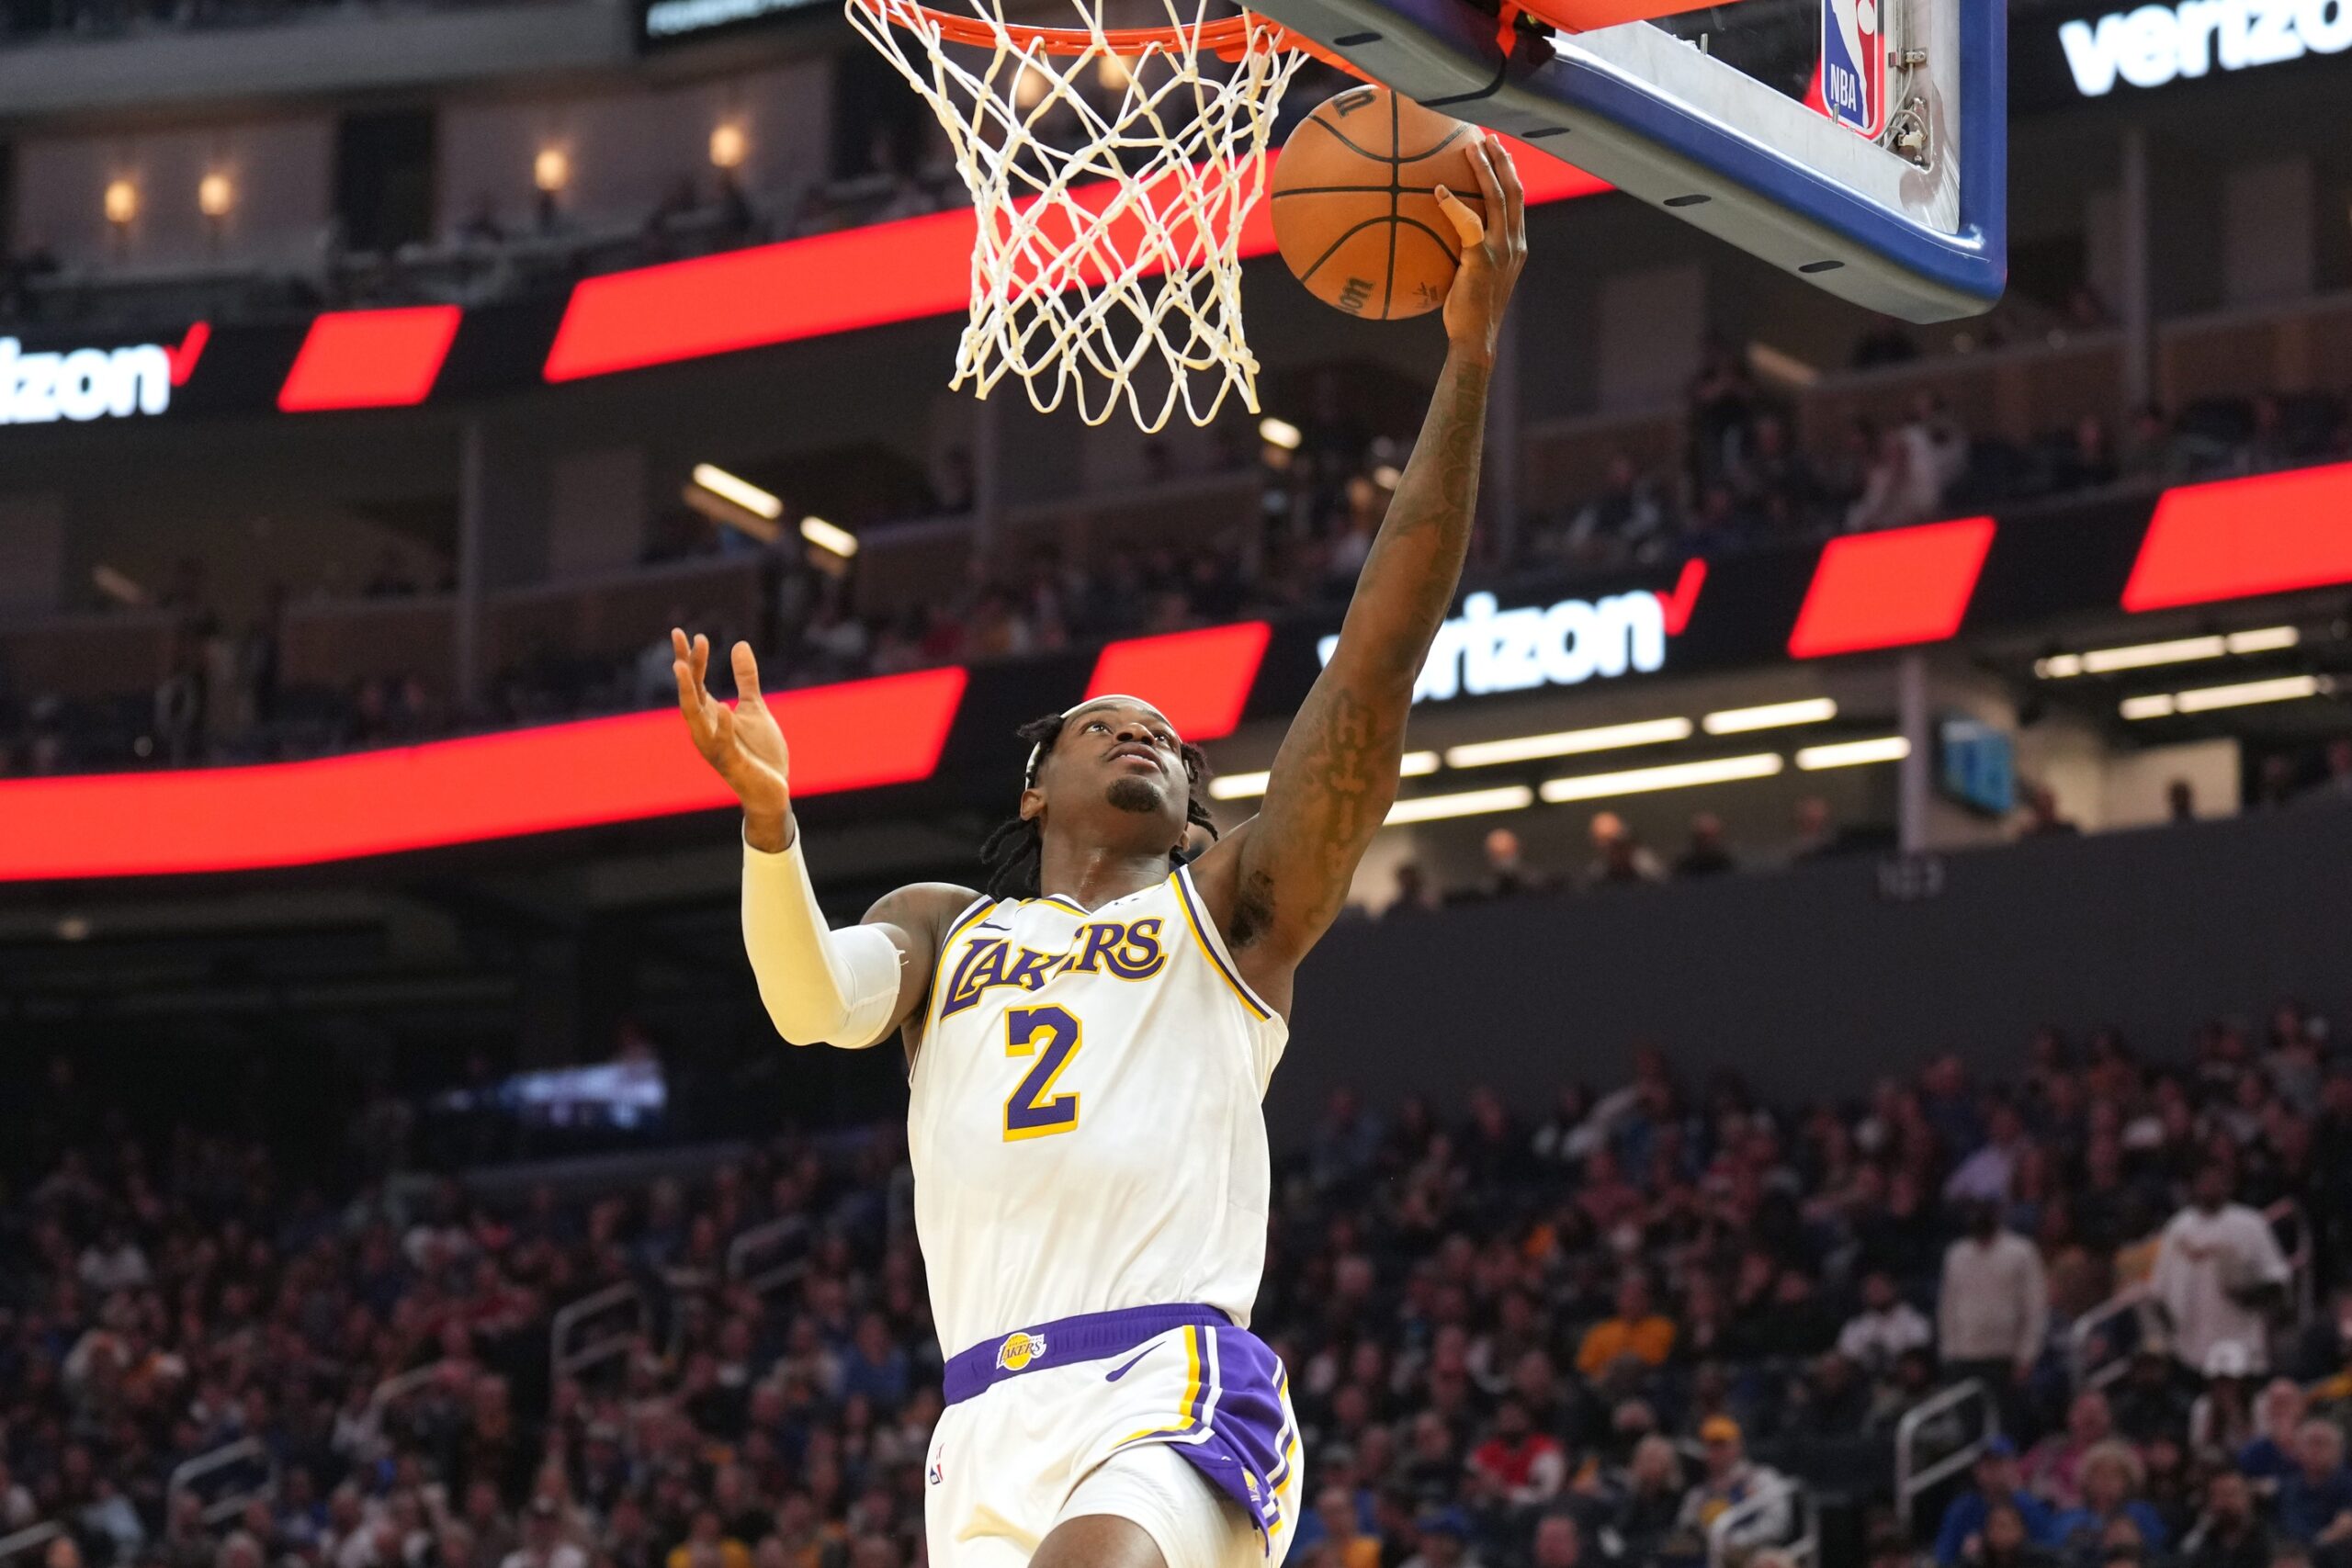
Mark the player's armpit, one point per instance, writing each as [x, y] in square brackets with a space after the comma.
[849, 987]
[917, 918]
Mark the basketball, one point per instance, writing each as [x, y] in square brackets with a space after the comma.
[1355, 208]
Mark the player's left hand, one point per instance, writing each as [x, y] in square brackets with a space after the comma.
[1492, 254]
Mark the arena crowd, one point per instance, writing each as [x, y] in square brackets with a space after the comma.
[1577, 1339]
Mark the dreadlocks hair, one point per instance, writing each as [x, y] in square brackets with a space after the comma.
[1014, 854]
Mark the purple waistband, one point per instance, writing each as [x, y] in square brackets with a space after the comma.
[1064, 1342]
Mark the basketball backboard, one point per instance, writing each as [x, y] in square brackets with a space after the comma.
[1860, 144]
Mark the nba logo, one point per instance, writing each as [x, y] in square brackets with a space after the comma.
[1853, 64]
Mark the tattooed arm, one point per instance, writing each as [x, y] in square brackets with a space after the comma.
[1275, 884]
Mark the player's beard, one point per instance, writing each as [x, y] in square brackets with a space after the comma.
[1139, 795]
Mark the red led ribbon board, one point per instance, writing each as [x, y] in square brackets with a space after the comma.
[1892, 589]
[369, 359]
[853, 736]
[2237, 539]
[1199, 681]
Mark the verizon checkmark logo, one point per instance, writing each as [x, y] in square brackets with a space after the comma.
[1676, 607]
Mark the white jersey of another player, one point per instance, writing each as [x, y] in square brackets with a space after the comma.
[1084, 1123]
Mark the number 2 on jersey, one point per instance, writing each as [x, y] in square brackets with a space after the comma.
[1028, 1114]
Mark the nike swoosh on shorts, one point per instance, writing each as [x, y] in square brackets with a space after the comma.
[1118, 1372]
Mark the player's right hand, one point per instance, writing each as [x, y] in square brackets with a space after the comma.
[744, 743]
[1492, 253]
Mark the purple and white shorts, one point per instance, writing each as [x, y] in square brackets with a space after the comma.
[1033, 1413]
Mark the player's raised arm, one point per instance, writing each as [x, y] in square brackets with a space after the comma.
[1335, 777]
[848, 987]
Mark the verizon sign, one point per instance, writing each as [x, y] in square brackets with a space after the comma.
[2158, 44]
[1487, 649]
[83, 385]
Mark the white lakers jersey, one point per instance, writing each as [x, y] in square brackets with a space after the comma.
[1084, 1122]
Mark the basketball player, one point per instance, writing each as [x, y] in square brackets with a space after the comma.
[1089, 1040]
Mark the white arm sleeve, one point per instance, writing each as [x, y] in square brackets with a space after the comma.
[821, 985]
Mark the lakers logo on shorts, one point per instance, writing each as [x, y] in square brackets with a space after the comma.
[1019, 1349]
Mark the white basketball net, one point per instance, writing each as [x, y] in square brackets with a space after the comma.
[1115, 248]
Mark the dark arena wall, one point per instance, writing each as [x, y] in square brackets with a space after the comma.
[1824, 979]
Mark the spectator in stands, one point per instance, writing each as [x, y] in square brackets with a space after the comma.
[1558, 1543]
[1723, 408]
[1522, 1465]
[2054, 1467]
[1729, 1480]
[1648, 1500]
[2222, 1421]
[1507, 874]
[1622, 521]
[1414, 895]
[1635, 1330]
[1994, 1475]
[544, 1545]
[708, 1545]
[2219, 1273]
[2087, 460]
[2006, 1542]
[1446, 1541]
[1993, 1304]
[2151, 1400]
[2111, 1476]
[1617, 856]
[1886, 1327]
[1773, 483]
[2231, 1533]
[2280, 1412]
[1705, 855]
[1816, 835]
[2314, 1501]
[17, 1509]
[2043, 820]
[1986, 1175]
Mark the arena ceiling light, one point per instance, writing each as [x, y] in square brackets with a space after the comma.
[741, 491]
[1280, 432]
[2265, 639]
[1673, 775]
[1569, 742]
[1770, 716]
[2177, 651]
[2243, 693]
[1467, 803]
[830, 538]
[1247, 786]
[118, 585]
[1854, 753]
